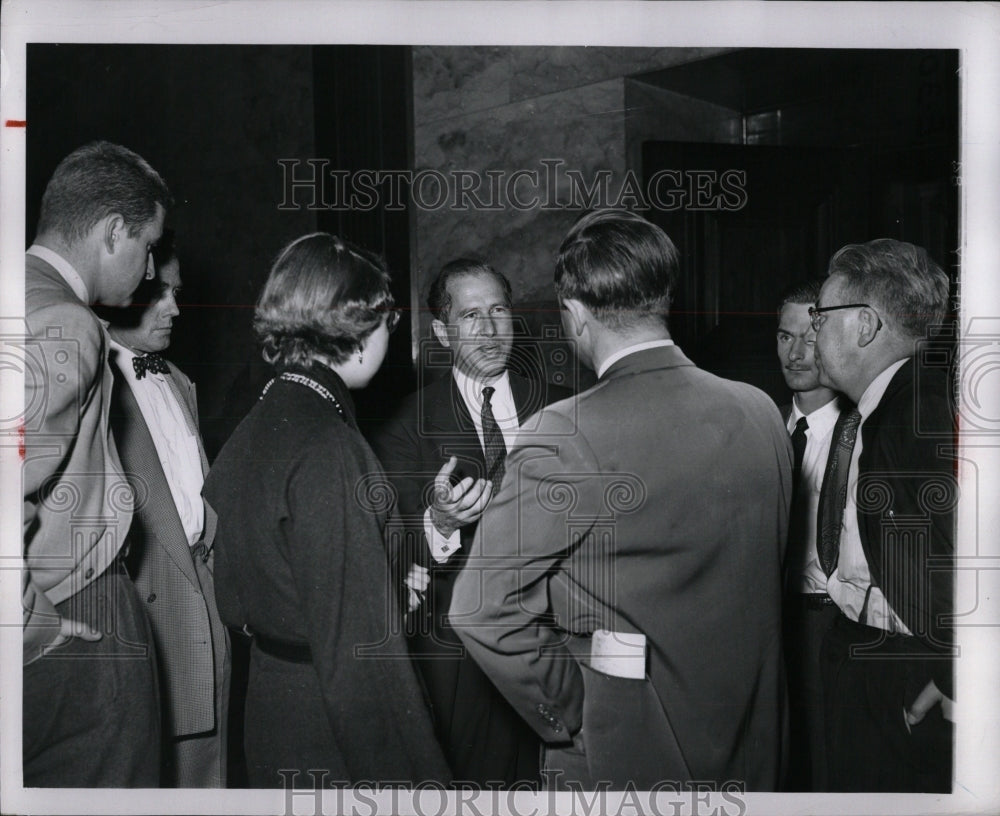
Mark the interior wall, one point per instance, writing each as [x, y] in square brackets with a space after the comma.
[213, 121]
[508, 109]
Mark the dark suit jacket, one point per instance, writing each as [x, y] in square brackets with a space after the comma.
[76, 514]
[907, 493]
[480, 732]
[191, 642]
[654, 503]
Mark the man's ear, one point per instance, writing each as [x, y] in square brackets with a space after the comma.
[441, 332]
[578, 315]
[868, 326]
[112, 229]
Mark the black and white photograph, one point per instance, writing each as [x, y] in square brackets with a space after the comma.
[499, 407]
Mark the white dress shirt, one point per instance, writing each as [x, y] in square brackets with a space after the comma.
[850, 581]
[505, 413]
[807, 573]
[176, 446]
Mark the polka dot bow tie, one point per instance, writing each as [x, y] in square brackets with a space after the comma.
[149, 362]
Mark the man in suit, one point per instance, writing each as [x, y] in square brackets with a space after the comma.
[886, 662]
[808, 610]
[444, 452]
[90, 705]
[154, 418]
[624, 586]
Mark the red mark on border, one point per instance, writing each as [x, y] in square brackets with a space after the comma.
[20, 441]
[16, 123]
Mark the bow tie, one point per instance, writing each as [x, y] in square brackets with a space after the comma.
[149, 362]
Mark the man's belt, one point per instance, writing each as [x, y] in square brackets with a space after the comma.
[810, 600]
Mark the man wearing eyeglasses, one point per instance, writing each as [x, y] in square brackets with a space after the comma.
[444, 452]
[808, 609]
[887, 520]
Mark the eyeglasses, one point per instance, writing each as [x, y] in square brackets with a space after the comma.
[392, 320]
[817, 314]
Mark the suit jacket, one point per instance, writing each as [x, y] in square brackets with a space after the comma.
[906, 496]
[77, 503]
[656, 503]
[483, 737]
[182, 611]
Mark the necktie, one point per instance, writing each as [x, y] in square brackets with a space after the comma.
[493, 444]
[833, 494]
[149, 362]
[799, 517]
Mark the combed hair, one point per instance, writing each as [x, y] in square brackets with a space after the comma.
[323, 296]
[806, 291]
[620, 266]
[439, 298]
[900, 280]
[98, 180]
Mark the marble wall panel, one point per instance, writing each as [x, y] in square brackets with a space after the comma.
[451, 81]
[546, 69]
[582, 129]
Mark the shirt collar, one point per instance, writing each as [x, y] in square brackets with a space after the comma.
[819, 420]
[876, 388]
[471, 388]
[64, 268]
[122, 356]
[614, 358]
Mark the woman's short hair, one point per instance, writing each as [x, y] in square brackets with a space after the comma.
[324, 296]
[620, 266]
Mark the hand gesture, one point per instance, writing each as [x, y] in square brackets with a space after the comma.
[926, 700]
[454, 507]
[416, 581]
[68, 629]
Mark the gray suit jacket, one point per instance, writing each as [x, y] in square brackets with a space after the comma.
[77, 504]
[656, 503]
[191, 642]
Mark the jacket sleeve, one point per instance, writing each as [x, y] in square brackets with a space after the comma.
[500, 606]
[63, 376]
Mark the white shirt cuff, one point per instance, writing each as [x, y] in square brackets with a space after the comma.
[441, 548]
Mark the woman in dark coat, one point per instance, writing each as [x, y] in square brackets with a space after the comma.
[300, 560]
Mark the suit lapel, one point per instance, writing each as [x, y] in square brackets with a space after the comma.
[138, 454]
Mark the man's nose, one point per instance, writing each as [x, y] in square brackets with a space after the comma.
[172, 308]
[487, 327]
[798, 350]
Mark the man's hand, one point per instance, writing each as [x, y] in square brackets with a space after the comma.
[416, 581]
[68, 629]
[925, 701]
[454, 507]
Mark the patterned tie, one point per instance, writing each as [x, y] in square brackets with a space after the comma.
[833, 494]
[493, 444]
[149, 362]
[799, 516]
